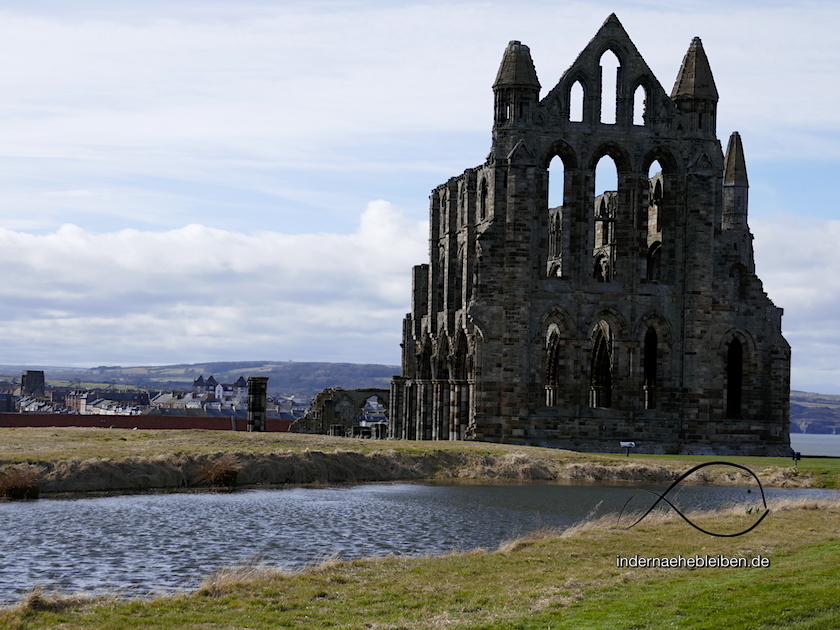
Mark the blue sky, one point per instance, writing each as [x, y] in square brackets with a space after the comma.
[191, 181]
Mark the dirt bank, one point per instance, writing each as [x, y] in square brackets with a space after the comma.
[174, 471]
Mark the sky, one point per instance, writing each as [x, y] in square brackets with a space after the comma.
[211, 180]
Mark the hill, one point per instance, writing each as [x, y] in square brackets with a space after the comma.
[287, 377]
[809, 412]
[814, 413]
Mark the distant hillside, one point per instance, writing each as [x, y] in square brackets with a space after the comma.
[284, 377]
[809, 413]
[814, 413]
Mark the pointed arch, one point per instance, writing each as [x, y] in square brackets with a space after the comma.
[557, 161]
[658, 215]
[610, 65]
[554, 368]
[575, 88]
[654, 319]
[482, 198]
[557, 333]
[614, 320]
[556, 318]
[601, 366]
[577, 102]
[622, 159]
[641, 112]
[650, 367]
[737, 357]
[654, 262]
[670, 164]
[460, 364]
[607, 219]
[563, 150]
[440, 361]
[424, 359]
[734, 378]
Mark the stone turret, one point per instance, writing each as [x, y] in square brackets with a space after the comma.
[694, 91]
[735, 185]
[516, 88]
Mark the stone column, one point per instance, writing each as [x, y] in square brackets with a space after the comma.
[257, 388]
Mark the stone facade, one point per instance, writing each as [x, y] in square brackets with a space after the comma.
[633, 315]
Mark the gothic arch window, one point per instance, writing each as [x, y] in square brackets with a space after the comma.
[734, 379]
[556, 175]
[654, 262]
[650, 368]
[655, 206]
[640, 98]
[601, 268]
[601, 371]
[424, 362]
[604, 222]
[653, 211]
[553, 368]
[556, 182]
[610, 67]
[440, 367]
[482, 199]
[576, 100]
[458, 281]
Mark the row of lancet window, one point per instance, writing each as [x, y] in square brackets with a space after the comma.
[610, 67]
[605, 216]
[602, 364]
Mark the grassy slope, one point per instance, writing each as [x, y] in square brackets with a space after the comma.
[462, 459]
[547, 581]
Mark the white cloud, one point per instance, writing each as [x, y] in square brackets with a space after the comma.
[200, 147]
[82, 298]
[797, 260]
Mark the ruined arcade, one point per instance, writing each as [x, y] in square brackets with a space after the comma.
[578, 320]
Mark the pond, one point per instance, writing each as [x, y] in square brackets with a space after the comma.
[145, 544]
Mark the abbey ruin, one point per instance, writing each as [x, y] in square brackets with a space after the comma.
[550, 316]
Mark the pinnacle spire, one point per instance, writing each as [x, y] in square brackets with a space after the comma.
[695, 78]
[735, 166]
[517, 68]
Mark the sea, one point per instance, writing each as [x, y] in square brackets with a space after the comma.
[815, 444]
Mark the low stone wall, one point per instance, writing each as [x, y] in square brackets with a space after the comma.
[134, 422]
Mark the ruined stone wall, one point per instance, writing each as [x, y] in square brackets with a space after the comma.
[336, 410]
[634, 315]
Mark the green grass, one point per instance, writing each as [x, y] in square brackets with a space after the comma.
[545, 581]
[824, 472]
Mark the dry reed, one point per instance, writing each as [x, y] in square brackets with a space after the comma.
[20, 482]
[219, 472]
[42, 600]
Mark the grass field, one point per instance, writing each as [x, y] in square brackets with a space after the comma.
[546, 580]
[567, 580]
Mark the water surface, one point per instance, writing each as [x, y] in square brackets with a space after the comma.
[143, 544]
[815, 444]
